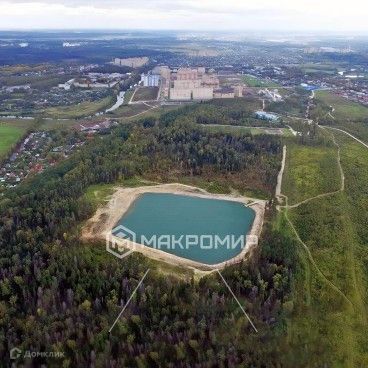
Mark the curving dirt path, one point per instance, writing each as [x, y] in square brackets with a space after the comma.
[281, 173]
[286, 207]
[140, 113]
[350, 135]
[313, 262]
[342, 176]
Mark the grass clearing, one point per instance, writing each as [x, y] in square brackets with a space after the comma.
[128, 95]
[344, 109]
[100, 193]
[136, 112]
[316, 322]
[10, 134]
[248, 103]
[54, 124]
[219, 186]
[313, 68]
[17, 69]
[358, 129]
[243, 129]
[323, 329]
[310, 170]
[78, 111]
[146, 94]
[251, 81]
[127, 111]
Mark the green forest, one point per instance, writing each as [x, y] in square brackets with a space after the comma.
[58, 294]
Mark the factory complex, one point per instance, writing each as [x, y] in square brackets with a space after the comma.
[186, 84]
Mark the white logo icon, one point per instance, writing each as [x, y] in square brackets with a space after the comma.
[120, 241]
[15, 353]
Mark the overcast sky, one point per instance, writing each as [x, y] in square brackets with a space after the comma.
[303, 15]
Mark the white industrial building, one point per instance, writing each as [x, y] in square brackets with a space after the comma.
[150, 80]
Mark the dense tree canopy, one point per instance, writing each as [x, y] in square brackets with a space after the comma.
[57, 294]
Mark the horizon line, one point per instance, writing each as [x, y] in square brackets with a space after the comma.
[230, 31]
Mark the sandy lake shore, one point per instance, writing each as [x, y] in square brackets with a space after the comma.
[105, 219]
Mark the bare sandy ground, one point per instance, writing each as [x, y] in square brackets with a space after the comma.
[281, 173]
[105, 219]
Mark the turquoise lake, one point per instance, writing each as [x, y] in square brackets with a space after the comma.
[189, 226]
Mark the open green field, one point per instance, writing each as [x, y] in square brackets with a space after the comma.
[312, 68]
[356, 128]
[254, 131]
[126, 111]
[133, 112]
[78, 111]
[10, 134]
[310, 171]
[318, 71]
[99, 193]
[249, 103]
[347, 115]
[14, 69]
[156, 112]
[343, 108]
[328, 324]
[128, 95]
[146, 94]
[57, 124]
[43, 82]
[251, 81]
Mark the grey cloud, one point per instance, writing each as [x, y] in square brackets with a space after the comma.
[173, 6]
[136, 4]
